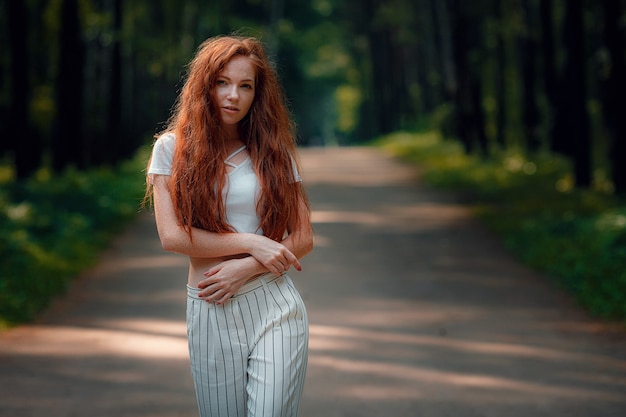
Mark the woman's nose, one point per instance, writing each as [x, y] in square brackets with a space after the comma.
[233, 93]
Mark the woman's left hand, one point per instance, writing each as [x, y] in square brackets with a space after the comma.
[223, 280]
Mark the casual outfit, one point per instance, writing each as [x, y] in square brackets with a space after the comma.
[248, 355]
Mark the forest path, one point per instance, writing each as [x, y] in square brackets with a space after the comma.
[415, 310]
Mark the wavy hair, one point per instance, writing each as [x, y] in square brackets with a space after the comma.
[198, 169]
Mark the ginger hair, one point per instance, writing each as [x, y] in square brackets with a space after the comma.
[198, 169]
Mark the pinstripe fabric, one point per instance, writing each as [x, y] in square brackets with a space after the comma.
[249, 355]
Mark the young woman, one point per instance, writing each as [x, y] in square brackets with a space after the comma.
[226, 189]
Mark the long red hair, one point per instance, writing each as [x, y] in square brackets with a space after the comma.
[198, 170]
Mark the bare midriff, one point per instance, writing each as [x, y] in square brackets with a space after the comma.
[198, 266]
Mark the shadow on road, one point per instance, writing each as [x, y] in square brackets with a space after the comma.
[415, 310]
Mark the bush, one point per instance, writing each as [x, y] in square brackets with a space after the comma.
[53, 227]
[578, 237]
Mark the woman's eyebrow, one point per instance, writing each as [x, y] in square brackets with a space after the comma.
[229, 79]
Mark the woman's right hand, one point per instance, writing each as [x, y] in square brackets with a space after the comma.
[273, 255]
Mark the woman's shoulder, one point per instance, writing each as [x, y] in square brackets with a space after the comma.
[167, 140]
[164, 144]
[162, 154]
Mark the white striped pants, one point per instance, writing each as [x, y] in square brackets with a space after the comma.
[249, 355]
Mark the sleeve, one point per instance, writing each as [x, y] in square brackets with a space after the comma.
[296, 174]
[162, 154]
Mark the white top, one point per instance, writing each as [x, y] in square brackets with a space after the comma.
[241, 192]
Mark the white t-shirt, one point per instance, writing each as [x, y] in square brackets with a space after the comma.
[240, 194]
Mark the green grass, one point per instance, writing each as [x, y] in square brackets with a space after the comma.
[575, 236]
[53, 227]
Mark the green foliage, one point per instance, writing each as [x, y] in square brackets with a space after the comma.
[52, 227]
[578, 237]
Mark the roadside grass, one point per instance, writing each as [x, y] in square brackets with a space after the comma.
[52, 227]
[577, 237]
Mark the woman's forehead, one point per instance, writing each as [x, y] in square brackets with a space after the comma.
[239, 67]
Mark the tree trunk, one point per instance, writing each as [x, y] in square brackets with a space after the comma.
[571, 119]
[469, 114]
[527, 50]
[22, 138]
[548, 62]
[423, 64]
[500, 79]
[123, 147]
[615, 91]
[443, 30]
[68, 144]
[384, 71]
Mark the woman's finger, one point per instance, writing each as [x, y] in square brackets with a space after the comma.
[293, 260]
[215, 294]
[224, 298]
[212, 271]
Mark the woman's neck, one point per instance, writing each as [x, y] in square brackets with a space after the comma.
[232, 139]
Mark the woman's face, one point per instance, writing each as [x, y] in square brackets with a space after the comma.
[234, 90]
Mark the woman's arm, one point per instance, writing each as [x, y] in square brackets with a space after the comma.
[300, 238]
[274, 256]
[225, 279]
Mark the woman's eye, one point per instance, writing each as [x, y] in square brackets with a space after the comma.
[221, 82]
[247, 86]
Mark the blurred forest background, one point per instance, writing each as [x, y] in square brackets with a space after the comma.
[85, 84]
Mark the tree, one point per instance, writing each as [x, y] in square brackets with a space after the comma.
[500, 78]
[114, 128]
[22, 138]
[571, 135]
[527, 46]
[68, 147]
[548, 52]
[468, 107]
[614, 91]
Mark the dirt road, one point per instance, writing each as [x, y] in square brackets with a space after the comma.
[414, 309]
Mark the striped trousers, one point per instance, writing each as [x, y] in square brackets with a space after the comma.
[249, 355]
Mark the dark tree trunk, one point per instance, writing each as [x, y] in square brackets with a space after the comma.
[469, 114]
[22, 138]
[527, 51]
[400, 104]
[425, 68]
[443, 35]
[123, 147]
[547, 53]
[571, 119]
[68, 143]
[382, 60]
[461, 69]
[500, 79]
[615, 91]
[478, 116]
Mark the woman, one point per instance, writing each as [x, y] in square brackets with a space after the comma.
[227, 192]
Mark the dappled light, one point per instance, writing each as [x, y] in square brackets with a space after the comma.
[422, 216]
[355, 172]
[149, 340]
[115, 344]
[414, 306]
[431, 377]
[414, 309]
[440, 343]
